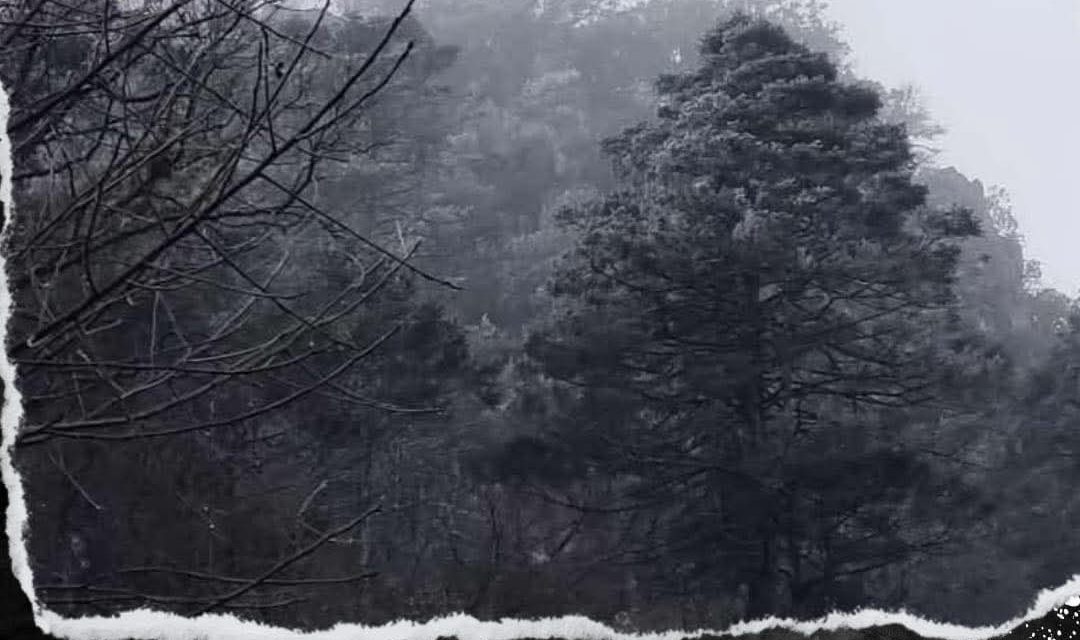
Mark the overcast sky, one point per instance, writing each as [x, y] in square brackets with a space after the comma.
[1003, 76]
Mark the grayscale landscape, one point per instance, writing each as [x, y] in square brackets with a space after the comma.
[659, 313]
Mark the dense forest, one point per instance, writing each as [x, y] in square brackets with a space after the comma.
[648, 311]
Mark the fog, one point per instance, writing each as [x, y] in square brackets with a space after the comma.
[1002, 77]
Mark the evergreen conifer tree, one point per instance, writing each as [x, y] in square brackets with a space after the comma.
[746, 317]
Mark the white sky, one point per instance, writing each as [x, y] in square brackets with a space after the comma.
[1003, 76]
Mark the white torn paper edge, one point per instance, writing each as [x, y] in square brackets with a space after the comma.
[11, 412]
[144, 623]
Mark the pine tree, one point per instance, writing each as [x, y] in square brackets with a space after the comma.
[740, 319]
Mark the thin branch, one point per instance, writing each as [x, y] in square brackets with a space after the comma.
[303, 553]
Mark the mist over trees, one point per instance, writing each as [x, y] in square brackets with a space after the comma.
[652, 312]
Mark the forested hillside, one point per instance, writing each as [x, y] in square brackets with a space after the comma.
[652, 312]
